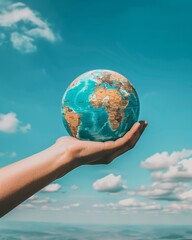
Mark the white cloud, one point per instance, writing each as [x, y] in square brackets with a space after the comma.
[134, 204]
[180, 207]
[169, 170]
[186, 196]
[130, 202]
[110, 183]
[164, 160]
[74, 187]
[167, 191]
[23, 43]
[9, 123]
[180, 171]
[26, 26]
[54, 187]
[172, 174]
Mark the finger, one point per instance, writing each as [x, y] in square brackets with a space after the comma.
[136, 128]
[135, 137]
[129, 140]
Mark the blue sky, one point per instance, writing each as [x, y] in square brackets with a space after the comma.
[44, 45]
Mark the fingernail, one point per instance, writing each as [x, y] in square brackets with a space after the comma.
[146, 123]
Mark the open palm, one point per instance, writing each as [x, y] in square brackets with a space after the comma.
[90, 152]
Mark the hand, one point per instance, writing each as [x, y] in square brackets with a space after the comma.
[22, 179]
[90, 152]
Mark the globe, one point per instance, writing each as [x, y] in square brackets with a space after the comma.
[99, 105]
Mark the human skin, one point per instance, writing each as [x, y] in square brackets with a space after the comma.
[20, 180]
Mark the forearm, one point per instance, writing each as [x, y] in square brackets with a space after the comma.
[22, 179]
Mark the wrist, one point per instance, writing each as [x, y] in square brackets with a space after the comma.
[64, 160]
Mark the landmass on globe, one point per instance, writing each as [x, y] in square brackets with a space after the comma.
[100, 105]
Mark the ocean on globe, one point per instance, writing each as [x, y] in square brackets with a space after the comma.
[99, 105]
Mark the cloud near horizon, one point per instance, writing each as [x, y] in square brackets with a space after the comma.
[138, 205]
[23, 26]
[171, 175]
[170, 168]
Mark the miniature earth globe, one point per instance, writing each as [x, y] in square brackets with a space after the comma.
[99, 105]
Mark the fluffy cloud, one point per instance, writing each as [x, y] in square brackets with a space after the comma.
[180, 171]
[25, 26]
[172, 174]
[54, 187]
[110, 183]
[186, 195]
[164, 160]
[167, 191]
[9, 123]
[130, 202]
[137, 205]
[180, 207]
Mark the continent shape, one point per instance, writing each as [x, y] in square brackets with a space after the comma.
[113, 102]
[73, 119]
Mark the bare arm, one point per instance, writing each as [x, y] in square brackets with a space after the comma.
[22, 179]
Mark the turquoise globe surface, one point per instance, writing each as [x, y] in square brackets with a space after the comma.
[99, 105]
